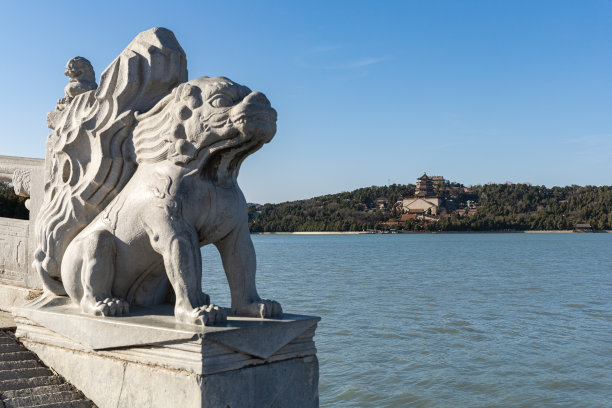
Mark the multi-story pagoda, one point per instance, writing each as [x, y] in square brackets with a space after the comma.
[424, 187]
[424, 200]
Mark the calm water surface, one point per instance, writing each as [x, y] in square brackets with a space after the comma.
[447, 320]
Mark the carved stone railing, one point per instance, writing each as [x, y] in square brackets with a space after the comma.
[18, 171]
[17, 236]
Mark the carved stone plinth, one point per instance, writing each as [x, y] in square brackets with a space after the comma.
[147, 359]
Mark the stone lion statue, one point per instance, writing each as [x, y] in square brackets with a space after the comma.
[158, 182]
[82, 77]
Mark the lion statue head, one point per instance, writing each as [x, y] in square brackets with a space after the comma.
[210, 123]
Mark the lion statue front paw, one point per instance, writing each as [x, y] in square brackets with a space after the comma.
[206, 315]
[262, 308]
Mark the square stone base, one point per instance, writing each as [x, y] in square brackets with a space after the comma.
[111, 382]
[246, 363]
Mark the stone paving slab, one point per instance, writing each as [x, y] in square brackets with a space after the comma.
[15, 365]
[18, 356]
[25, 373]
[70, 404]
[25, 382]
[28, 392]
[34, 400]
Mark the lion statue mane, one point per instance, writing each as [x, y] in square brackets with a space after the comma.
[140, 173]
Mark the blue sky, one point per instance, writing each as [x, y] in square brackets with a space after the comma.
[368, 93]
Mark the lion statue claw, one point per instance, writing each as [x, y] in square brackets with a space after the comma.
[143, 246]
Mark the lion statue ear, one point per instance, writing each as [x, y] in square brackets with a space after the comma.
[90, 155]
[191, 95]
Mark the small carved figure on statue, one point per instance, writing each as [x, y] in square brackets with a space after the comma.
[82, 79]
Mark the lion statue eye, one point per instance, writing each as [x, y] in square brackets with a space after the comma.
[220, 101]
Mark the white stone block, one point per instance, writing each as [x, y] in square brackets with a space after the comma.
[248, 362]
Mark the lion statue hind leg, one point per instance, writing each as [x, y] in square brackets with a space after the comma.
[88, 272]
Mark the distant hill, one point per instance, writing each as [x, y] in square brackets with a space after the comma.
[349, 211]
[520, 207]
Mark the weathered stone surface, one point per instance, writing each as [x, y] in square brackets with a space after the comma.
[153, 336]
[17, 236]
[24, 382]
[156, 324]
[14, 261]
[10, 165]
[11, 296]
[36, 400]
[24, 372]
[143, 326]
[41, 390]
[261, 338]
[10, 348]
[27, 383]
[288, 383]
[293, 383]
[69, 404]
[17, 364]
[16, 356]
[82, 79]
[90, 156]
[195, 372]
[21, 182]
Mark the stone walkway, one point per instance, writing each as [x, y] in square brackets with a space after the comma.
[26, 382]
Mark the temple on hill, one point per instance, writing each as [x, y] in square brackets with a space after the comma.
[424, 200]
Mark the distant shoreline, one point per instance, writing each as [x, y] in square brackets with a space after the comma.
[431, 232]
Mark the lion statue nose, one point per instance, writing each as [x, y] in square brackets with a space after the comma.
[257, 98]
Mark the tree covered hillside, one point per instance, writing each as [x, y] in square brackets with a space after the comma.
[349, 211]
[499, 207]
[526, 207]
[11, 205]
[519, 207]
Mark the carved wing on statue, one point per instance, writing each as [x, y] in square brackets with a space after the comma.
[90, 155]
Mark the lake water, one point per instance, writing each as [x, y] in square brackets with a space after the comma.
[447, 320]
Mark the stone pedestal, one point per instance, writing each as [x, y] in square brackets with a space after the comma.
[146, 359]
